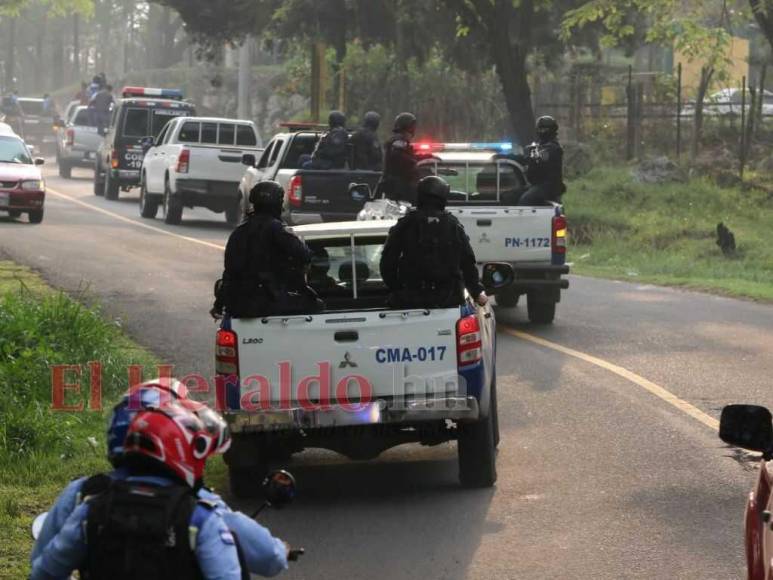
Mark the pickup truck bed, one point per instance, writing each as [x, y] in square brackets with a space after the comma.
[316, 196]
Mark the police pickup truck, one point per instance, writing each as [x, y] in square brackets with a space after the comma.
[139, 116]
[311, 196]
[359, 377]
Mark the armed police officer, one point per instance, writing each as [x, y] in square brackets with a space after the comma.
[427, 260]
[367, 152]
[332, 150]
[265, 263]
[544, 169]
[400, 172]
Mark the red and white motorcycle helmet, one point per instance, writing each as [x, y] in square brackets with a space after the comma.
[173, 436]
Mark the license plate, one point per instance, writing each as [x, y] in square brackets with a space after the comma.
[4, 199]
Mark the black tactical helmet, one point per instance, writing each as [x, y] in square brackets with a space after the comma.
[371, 120]
[336, 119]
[405, 123]
[546, 127]
[267, 197]
[433, 189]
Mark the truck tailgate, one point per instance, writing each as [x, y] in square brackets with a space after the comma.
[87, 138]
[508, 234]
[326, 192]
[216, 163]
[368, 355]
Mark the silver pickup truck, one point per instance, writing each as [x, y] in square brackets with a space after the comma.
[77, 142]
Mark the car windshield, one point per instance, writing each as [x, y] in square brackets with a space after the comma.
[33, 108]
[12, 150]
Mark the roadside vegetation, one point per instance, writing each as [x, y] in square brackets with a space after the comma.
[666, 233]
[41, 450]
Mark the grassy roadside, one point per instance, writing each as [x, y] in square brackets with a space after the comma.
[665, 234]
[41, 450]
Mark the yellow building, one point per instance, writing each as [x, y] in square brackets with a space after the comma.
[739, 67]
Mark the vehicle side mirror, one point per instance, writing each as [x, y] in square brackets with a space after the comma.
[249, 160]
[39, 161]
[497, 275]
[747, 426]
[279, 488]
[360, 192]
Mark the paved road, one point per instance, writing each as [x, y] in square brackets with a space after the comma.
[598, 477]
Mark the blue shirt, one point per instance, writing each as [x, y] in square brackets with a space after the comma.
[60, 547]
[264, 554]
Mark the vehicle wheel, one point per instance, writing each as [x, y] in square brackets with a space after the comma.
[148, 203]
[36, 216]
[111, 188]
[99, 185]
[245, 482]
[540, 312]
[508, 298]
[173, 207]
[477, 453]
[14, 213]
[234, 213]
[65, 170]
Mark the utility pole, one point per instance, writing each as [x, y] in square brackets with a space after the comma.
[244, 107]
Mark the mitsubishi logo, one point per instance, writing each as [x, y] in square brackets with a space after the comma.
[347, 362]
[484, 239]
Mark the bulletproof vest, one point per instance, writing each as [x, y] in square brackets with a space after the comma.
[332, 150]
[433, 257]
[137, 530]
[546, 165]
[367, 153]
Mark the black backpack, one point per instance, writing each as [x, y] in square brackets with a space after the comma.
[437, 252]
[137, 530]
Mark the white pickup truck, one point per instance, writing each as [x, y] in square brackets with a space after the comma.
[197, 162]
[359, 377]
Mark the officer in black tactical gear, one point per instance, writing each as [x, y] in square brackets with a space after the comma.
[367, 153]
[544, 169]
[427, 261]
[333, 147]
[400, 159]
[265, 264]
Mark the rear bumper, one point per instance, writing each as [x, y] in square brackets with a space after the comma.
[378, 412]
[540, 276]
[207, 189]
[22, 200]
[78, 156]
[126, 177]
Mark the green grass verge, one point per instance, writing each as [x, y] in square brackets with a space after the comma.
[665, 234]
[41, 450]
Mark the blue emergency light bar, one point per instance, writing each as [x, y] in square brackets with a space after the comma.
[465, 146]
[174, 94]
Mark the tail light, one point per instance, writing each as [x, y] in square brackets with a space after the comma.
[468, 343]
[226, 354]
[70, 137]
[114, 159]
[296, 193]
[559, 235]
[184, 161]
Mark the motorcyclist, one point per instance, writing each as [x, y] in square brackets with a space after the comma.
[400, 173]
[427, 260]
[265, 263]
[332, 149]
[151, 524]
[263, 554]
[367, 153]
[544, 168]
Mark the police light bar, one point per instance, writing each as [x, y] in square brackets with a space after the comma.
[175, 94]
[464, 146]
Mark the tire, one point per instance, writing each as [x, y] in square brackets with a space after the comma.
[99, 185]
[173, 208]
[234, 213]
[245, 482]
[148, 203]
[65, 170]
[507, 298]
[35, 216]
[540, 312]
[14, 213]
[111, 188]
[477, 453]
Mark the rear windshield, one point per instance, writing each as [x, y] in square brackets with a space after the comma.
[82, 118]
[332, 269]
[149, 121]
[12, 150]
[475, 182]
[189, 132]
[33, 108]
[245, 136]
[302, 144]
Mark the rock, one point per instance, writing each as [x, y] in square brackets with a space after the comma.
[658, 170]
[578, 160]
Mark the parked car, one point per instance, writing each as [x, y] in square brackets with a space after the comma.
[22, 189]
[197, 162]
[727, 102]
[77, 143]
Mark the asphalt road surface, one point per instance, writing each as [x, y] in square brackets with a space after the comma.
[609, 463]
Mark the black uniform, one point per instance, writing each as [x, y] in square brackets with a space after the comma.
[367, 153]
[400, 173]
[332, 150]
[265, 270]
[427, 261]
[545, 166]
